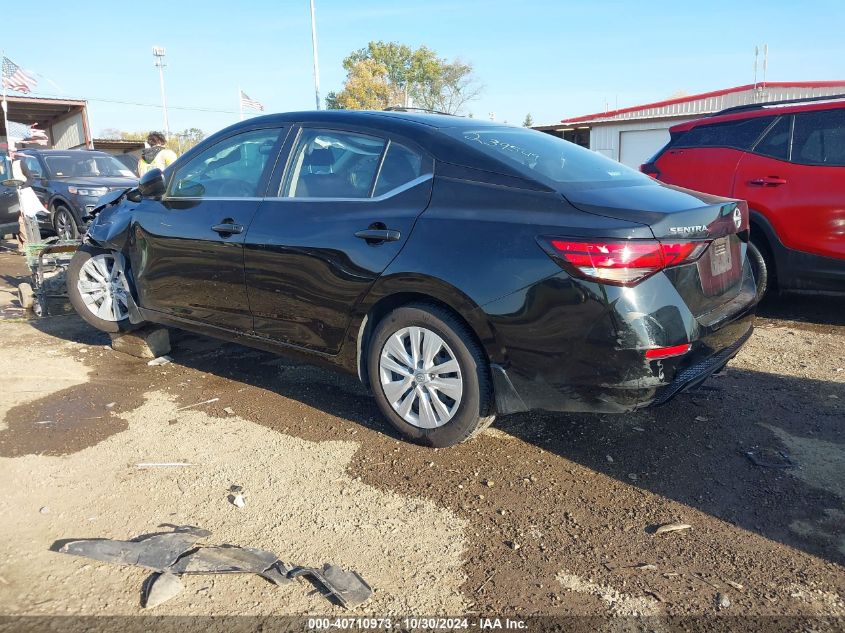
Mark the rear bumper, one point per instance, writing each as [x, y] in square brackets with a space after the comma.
[585, 369]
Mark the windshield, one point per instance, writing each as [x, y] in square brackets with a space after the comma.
[82, 166]
[546, 157]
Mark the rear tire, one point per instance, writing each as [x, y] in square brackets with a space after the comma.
[761, 268]
[430, 407]
[98, 289]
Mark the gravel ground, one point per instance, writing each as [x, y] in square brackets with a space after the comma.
[542, 514]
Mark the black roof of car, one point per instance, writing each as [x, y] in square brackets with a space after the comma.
[370, 117]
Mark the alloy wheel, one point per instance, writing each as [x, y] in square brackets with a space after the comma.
[103, 287]
[65, 228]
[420, 377]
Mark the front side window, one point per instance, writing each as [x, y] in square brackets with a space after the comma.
[819, 138]
[737, 134]
[775, 143]
[333, 164]
[231, 168]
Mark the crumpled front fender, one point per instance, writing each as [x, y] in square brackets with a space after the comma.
[110, 228]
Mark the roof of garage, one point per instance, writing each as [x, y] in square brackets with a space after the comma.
[708, 102]
[40, 110]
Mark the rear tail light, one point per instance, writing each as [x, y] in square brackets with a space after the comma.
[667, 352]
[620, 262]
[650, 169]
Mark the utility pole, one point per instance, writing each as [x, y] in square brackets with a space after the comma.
[158, 55]
[316, 60]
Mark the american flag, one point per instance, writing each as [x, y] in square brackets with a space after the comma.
[250, 104]
[16, 78]
[20, 133]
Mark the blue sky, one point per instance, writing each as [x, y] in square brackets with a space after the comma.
[553, 59]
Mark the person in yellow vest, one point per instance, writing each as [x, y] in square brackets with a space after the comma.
[156, 155]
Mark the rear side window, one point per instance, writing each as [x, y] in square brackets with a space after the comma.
[819, 138]
[401, 165]
[776, 141]
[736, 134]
[333, 164]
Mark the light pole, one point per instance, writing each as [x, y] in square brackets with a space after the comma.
[316, 61]
[158, 55]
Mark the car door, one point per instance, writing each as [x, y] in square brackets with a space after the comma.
[794, 178]
[705, 157]
[186, 250]
[346, 203]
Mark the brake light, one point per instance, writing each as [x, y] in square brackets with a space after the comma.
[650, 169]
[667, 352]
[621, 262]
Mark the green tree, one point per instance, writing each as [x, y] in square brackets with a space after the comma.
[388, 74]
[528, 121]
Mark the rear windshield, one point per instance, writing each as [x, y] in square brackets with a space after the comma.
[546, 157]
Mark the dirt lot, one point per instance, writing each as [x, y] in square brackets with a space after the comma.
[543, 514]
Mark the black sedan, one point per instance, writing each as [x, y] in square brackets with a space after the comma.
[70, 182]
[460, 268]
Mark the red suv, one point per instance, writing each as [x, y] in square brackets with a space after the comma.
[787, 159]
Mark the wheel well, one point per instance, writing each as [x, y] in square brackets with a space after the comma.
[761, 241]
[384, 307]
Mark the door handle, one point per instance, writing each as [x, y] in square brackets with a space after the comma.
[228, 228]
[768, 181]
[379, 235]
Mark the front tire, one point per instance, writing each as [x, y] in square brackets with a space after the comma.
[99, 289]
[65, 223]
[430, 376]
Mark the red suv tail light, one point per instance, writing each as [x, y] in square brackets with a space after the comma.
[620, 262]
[650, 169]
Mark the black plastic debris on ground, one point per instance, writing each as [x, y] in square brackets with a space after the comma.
[174, 554]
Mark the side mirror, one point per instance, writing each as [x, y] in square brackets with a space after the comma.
[13, 183]
[152, 184]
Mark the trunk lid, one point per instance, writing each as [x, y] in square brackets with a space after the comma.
[680, 215]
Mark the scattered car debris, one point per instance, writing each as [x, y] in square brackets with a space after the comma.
[198, 404]
[174, 554]
[672, 527]
[229, 410]
[769, 458]
[701, 418]
[735, 585]
[722, 601]
[512, 544]
[163, 465]
[633, 476]
[347, 588]
[238, 500]
[160, 588]
[161, 360]
[111, 405]
[45, 510]
[609, 459]
[231, 559]
[153, 551]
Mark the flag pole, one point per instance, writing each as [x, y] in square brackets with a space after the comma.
[316, 61]
[5, 108]
[241, 102]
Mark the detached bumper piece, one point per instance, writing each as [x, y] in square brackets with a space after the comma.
[700, 371]
[174, 554]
